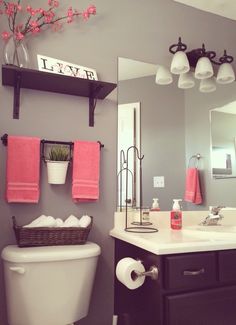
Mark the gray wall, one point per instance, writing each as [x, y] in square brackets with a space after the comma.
[134, 29]
[162, 136]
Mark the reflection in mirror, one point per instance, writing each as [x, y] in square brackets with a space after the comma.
[129, 130]
[223, 122]
[129, 135]
[175, 126]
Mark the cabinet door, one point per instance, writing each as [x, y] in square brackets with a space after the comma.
[227, 266]
[208, 307]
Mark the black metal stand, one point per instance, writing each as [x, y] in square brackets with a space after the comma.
[139, 226]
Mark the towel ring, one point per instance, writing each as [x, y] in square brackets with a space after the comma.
[196, 158]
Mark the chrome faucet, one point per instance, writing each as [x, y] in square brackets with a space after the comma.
[213, 217]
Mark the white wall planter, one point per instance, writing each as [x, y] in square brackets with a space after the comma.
[57, 171]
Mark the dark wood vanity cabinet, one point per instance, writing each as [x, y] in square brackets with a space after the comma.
[192, 289]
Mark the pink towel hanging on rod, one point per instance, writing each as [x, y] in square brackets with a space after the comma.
[85, 176]
[23, 169]
[192, 187]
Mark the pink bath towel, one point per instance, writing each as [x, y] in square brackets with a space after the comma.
[23, 166]
[85, 177]
[192, 187]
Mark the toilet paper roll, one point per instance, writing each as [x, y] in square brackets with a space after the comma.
[125, 272]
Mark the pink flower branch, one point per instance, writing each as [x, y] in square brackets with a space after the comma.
[37, 18]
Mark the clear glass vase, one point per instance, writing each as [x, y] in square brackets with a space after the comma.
[16, 53]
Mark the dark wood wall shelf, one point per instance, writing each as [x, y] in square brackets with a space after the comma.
[45, 81]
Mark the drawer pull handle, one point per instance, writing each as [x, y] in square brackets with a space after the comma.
[197, 272]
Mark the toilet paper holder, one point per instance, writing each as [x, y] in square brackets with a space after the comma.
[153, 273]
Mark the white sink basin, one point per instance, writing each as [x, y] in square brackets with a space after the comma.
[217, 228]
[219, 232]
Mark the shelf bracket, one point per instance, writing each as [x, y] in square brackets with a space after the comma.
[16, 104]
[92, 104]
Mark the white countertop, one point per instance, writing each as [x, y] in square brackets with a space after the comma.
[168, 241]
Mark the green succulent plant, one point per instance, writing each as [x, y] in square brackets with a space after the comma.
[59, 153]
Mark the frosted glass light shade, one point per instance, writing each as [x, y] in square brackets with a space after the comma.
[207, 85]
[163, 76]
[225, 74]
[179, 63]
[203, 68]
[186, 80]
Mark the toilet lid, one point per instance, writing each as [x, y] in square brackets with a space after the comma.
[13, 253]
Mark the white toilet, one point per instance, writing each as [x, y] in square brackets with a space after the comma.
[49, 285]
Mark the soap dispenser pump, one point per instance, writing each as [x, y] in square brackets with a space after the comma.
[176, 215]
[155, 205]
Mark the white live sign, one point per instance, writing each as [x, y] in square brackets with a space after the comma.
[52, 65]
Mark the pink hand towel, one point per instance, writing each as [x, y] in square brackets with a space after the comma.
[23, 166]
[85, 176]
[192, 187]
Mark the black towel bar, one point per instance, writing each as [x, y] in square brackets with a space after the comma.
[43, 141]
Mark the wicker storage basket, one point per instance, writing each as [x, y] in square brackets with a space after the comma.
[50, 236]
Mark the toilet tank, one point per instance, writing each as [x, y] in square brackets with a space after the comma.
[49, 285]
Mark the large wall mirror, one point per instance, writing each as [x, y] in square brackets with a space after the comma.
[223, 136]
[174, 126]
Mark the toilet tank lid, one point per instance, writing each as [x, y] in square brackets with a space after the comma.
[13, 253]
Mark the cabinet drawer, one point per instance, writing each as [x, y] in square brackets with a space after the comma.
[190, 270]
[212, 307]
[227, 266]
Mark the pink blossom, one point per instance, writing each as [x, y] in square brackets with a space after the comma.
[85, 14]
[5, 35]
[35, 30]
[10, 9]
[53, 3]
[28, 9]
[48, 16]
[33, 23]
[91, 10]
[69, 15]
[31, 11]
[19, 36]
[70, 12]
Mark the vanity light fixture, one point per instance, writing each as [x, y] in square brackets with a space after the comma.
[180, 63]
[225, 73]
[207, 85]
[163, 76]
[196, 64]
[186, 80]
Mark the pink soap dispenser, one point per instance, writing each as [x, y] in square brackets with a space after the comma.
[176, 215]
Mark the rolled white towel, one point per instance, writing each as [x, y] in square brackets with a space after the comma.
[59, 222]
[71, 221]
[47, 222]
[36, 221]
[84, 221]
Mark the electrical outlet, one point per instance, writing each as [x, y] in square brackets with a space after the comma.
[158, 181]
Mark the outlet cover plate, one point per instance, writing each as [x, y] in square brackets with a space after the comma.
[158, 181]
